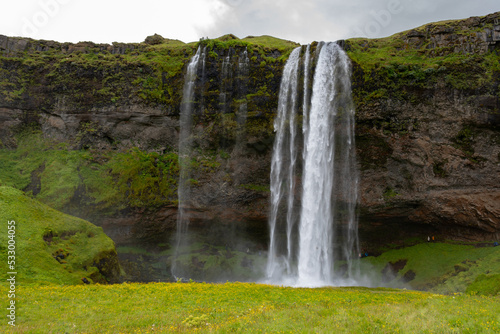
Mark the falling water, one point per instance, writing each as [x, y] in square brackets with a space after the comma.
[242, 88]
[226, 82]
[283, 171]
[322, 252]
[185, 148]
[233, 87]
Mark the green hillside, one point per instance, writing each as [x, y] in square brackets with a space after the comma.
[438, 267]
[52, 247]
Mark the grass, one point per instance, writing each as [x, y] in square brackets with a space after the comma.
[270, 43]
[245, 307]
[51, 247]
[442, 267]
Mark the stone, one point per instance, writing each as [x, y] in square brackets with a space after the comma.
[3, 42]
[154, 39]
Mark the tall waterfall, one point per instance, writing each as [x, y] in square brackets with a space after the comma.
[313, 223]
[185, 148]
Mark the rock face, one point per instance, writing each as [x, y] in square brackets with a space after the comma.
[16, 45]
[427, 124]
[431, 156]
[453, 37]
[429, 175]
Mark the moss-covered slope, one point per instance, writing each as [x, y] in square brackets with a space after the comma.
[439, 267]
[53, 247]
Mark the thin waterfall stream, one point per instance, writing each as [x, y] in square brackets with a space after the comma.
[185, 148]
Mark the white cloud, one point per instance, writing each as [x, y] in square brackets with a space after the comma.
[106, 21]
[189, 20]
[306, 21]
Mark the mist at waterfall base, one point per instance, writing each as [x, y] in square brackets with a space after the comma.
[313, 232]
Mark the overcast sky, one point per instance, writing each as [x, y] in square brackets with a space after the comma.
[303, 21]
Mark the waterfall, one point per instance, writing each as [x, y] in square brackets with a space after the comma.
[226, 82]
[231, 108]
[323, 205]
[185, 148]
[283, 171]
[242, 88]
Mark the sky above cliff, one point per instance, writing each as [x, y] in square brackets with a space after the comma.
[189, 20]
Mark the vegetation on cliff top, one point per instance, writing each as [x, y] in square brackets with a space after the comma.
[52, 247]
[97, 75]
[448, 52]
[384, 69]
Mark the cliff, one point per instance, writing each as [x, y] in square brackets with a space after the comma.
[93, 130]
[428, 117]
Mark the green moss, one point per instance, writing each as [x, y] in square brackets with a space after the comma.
[107, 181]
[60, 179]
[144, 179]
[390, 68]
[43, 233]
[103, 78]
[485, 285]
[255, 187]
[465, 140]
[440, 267]
[372, 150]
[261, 44]
[390, 193]
[269, 43]
[148, 73]
[439, 168]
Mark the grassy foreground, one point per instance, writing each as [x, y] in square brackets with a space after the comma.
[245, 307]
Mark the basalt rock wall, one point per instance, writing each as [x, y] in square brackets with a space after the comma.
[427, 130]
[428, 133]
